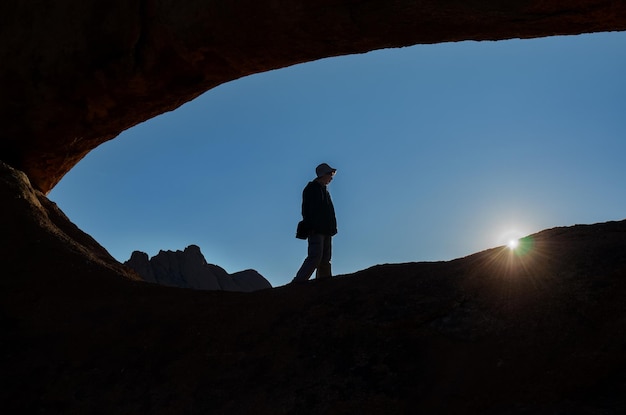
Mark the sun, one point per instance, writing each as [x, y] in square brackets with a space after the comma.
[512, 238]
[516, 243]
[513, 244]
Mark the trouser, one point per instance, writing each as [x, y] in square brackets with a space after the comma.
[319, 254]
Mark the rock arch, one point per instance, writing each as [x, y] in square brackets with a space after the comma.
[76, 74]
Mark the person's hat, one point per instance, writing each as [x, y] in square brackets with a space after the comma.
[324, 169]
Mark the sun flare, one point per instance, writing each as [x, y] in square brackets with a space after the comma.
[512, 239]
[513, 244]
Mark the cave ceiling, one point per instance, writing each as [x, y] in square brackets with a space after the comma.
[75, 74]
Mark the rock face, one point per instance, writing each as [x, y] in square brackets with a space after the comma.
[189, 269]
[75, 73]
[81, 334]
[36, 236]
[497, 332]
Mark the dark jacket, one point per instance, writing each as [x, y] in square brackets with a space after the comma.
[318, 212]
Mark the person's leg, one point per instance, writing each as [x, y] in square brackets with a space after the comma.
[324, 268]
[312, 261]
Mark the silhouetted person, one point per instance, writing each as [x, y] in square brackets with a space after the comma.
[319, 223]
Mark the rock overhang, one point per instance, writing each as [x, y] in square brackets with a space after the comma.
[77, 74]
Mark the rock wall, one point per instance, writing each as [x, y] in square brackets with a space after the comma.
[37, 238]
[458, 337]
[75, 74]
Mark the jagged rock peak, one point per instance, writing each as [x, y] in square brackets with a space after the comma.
[189, 269]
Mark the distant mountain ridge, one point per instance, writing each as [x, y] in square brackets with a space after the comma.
[189, 269]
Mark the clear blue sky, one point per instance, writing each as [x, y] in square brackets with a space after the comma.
[442, 151]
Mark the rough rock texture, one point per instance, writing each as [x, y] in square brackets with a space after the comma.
[492, 333]
[189, 269]
[76, 73]
[31, 223]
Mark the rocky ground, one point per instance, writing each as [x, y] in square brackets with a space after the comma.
[540, 331]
